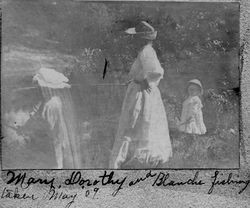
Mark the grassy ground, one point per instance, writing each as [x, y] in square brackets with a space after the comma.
[208, 151]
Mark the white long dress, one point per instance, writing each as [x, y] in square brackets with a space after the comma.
[143, 127]
[59, 112]
[65, 143]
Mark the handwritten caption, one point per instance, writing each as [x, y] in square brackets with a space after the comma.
[91, 187]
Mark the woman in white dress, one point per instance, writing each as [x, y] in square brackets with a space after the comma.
[142, 139]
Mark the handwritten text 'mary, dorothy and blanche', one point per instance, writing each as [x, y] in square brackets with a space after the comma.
[91, 187]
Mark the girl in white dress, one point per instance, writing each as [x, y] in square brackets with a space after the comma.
[143, 134]
[58, 111]
[191, 117]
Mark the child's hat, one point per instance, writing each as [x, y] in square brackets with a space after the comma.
[196, 82]
[144, 29]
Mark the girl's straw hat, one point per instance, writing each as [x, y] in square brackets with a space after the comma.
[143, 29]
[196, 82]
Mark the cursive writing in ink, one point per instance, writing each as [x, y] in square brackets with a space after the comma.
[58, 195]
[76, 178]
[104, 179]
[228, 181]
[108, 179]
[54, 194]
[162, 180]
[15, 194]
[25, 182]
[148, 175]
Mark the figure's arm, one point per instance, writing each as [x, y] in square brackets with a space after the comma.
[154, 76]
[187, 121]
[35, 109]
[128, 79]
[196, 114]
[191, 111]
[144, 85]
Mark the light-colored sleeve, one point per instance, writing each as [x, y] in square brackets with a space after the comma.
[52, 110]
[152, 69]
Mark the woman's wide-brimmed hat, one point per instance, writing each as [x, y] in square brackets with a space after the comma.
[144, 30]
[196, 82]
[47, 77]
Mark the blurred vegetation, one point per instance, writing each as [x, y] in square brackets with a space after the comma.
[195, 40]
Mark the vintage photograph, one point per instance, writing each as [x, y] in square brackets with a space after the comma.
[120, 85]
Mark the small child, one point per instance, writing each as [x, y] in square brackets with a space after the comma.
[191, 117]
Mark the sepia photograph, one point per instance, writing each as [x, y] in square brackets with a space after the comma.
[120, 85]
